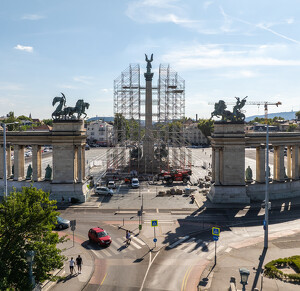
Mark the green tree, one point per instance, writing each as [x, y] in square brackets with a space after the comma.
[292, 127]
[298, 115]
[48, 122]
[26, 222]
[23, 117]
[121, 127]
[206, 126]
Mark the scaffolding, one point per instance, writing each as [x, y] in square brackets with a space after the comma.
[168, 106]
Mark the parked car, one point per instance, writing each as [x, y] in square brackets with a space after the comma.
[135, 183]
[103, 191]
[111, 185]
[62, 223]
[99, 236]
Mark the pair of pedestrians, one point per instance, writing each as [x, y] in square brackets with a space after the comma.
[72, 264]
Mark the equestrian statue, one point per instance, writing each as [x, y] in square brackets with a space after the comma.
[63, 112]
[226, 115]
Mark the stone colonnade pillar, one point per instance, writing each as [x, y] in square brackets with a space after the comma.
[279, 163]
[8, 161]
[260, 164]
[36, 162]
[289, 162]
[1, 162]
[19, 163]
[213, 164]
[80, 164]
[217, 166]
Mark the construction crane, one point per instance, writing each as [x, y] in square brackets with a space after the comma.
[258, 103]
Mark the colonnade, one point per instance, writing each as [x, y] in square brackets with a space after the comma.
[78, 163]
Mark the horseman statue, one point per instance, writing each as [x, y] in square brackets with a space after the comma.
[226, 115]
[63, 112]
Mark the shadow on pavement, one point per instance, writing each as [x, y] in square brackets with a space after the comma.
[259, 268]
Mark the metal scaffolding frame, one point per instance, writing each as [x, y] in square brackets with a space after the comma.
[168, 105]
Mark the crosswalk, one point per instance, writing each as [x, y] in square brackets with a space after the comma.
[117, 247]
[191, 245]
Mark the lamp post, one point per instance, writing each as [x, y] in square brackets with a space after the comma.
[244, 277]
[4, 157]
[29, 258]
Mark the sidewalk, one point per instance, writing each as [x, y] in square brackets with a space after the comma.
[252, 258]
[77, 281]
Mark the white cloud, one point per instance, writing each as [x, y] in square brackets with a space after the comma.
[32, 17]
[24, 48]
[83, 79]
[218, 56]
[239, 74]
[66, 86]
[10, 86]
[106, 90]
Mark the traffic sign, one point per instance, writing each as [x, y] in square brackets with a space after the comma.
[155, 239]
[154, 223]
[73, 227]
[73, 222]
[215, 237]
[216, 231]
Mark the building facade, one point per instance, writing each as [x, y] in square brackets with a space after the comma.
[193, 135]
[99, 132]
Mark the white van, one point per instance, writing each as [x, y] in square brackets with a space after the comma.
[135, 183]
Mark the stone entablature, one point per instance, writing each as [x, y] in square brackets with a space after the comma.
[68, 139]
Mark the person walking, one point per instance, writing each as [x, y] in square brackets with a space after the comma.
[79, 263]
[72, 264]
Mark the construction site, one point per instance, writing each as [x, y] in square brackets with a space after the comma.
[148, 137]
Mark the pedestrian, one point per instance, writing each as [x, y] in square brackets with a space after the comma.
[72, 264]
[62, 199]
[79, 263]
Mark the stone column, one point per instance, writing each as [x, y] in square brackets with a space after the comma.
[1, 162]
[19, 163]
[295, 162]
[83, 162]
[36, 163]
[289, 162]
[75, 163]
[79, 164]
[8, 161]
[213, 164]
[217, 166]
[279, 163]
[260, 164]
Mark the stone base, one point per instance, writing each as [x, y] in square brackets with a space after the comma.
[57, 191]
[228, 194]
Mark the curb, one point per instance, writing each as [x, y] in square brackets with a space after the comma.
[49, 284]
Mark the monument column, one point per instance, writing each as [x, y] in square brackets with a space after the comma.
[36, 163]
[79, 164]
[279, 163]
[148, 145]
[295, 162]
[289, 162]
[19, 163]
[260, 164]
[8, 161]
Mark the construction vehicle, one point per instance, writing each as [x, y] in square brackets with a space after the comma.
[169, 177]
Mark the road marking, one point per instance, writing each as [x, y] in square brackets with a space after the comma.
[112, 249]
[228, 250]
[106, 252]
[150, 263]
[185, 278]
[135, 245]
[282, 207]
[178, 242]
[212, 253]
[139, 241]
[185, 244]
[160, 221]
[103, 279]
[242, 212]
[193, 245]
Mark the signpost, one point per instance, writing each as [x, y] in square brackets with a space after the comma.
[216, 234]
[73, 227]
[154, 224]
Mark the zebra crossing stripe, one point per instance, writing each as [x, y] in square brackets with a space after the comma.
[160, 221]
[178, 242]
[186, 243]
[113, 249]
[135, 245]
[106, 252]
[139, 241]
[193, 245]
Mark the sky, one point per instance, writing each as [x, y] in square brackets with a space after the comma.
[221, 48]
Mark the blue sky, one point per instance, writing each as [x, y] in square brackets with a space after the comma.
[222, 49]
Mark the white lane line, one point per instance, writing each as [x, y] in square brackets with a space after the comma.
[113, 249]
[228, 250]
[106, 252]
[193, 245]
[185, 243]
[282, 207]
[212, 253]
[139, 241]
[178, 242]
[242, 212]
[150, 263]
[96, 253]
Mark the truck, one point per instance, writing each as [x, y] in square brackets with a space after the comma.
[182, 175]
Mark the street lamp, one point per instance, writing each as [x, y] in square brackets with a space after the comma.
[244, 277]
[4, 156]
[29, 259]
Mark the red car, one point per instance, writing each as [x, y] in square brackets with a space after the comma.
[99, 236]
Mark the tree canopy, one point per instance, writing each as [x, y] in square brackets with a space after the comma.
[26, 222]
[206, 126]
